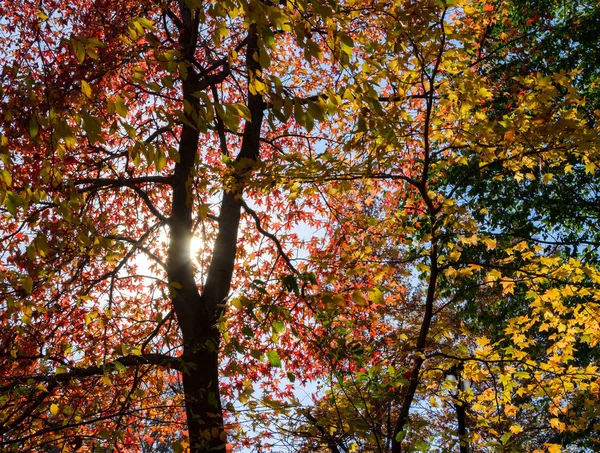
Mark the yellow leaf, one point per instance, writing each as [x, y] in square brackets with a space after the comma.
[78, 49]
[376, 296]
[482, 342]
[53, 409]
[590, 168]
[358, 298]
[553, 448]
[237, 303]
[515, 429]
[557, 424]
[120, 106]
[256, 86]
[86, 89]
[490, 243]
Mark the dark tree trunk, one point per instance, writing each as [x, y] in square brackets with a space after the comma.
[461, 415]
[202, 398]
[198, 313]
[411, 387]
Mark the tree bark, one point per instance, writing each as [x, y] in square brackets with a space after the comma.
[461, 415]
[198, 313]
[413, 383]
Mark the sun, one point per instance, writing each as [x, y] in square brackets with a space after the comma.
[146, 266]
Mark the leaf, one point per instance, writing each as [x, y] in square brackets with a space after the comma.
[290, 284]
[359, 299]
[376, 296]
[421, 445]
[33, 127]
[86, 89]
[53, 409]
[78, 49]
[27, 284]
[230, 117]
[400, 436]
[12, 202]
[268, 37]
[120, 106]
[257, 86]
[553, 448]
[278, 326]
[274, 359]
[346, 40]
[244, 111]
[161, 160]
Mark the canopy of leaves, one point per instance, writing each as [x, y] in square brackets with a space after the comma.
[285, 225]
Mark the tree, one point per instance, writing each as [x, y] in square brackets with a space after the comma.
[132, 128]
[422, 197]
[124, 122]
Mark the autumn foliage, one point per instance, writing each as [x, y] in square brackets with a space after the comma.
[310, 226]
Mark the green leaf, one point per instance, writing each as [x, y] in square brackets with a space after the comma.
[347, 40]
[92, 127]
[12, 202]
[299, 114]
[278, 326]
[78, 49]
[346, 44]
[42, 245]
[400, 436]
[290, 284]
[421, 445]
[244, 111]
[268, 36]
[359, 299]
[274, 359]
[120, 106]
[230, 117]
[237, 303]
[264, 60]
[27, 284]
[33, 127]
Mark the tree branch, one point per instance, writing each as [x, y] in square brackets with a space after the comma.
[81, 372]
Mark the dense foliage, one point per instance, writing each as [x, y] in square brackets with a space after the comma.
[301, 225]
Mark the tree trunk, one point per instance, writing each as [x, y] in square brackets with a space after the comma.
[461, 415]
[411, 388]
[198, 313]
[202, 398]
